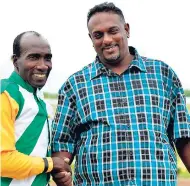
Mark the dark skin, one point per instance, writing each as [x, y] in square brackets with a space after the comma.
[183, 149]
[34, 65]
[109, 35]
[59, 176]
[61, 171]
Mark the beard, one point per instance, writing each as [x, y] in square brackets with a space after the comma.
[113, 59]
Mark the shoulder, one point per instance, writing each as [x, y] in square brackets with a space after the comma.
[10, 87]
[162, 70]
[154, 62]
[78, 77]
[82, 75]
[157, 66]
[12, 90]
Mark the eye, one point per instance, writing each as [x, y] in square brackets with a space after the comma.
[48, 57]
[33, 57]
[97, 35]
[114, 31]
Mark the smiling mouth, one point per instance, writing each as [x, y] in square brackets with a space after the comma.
[41, 76]
[110, 48]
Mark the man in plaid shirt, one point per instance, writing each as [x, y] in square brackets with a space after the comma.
[121, 115]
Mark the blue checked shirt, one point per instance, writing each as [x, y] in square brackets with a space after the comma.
[121, 128]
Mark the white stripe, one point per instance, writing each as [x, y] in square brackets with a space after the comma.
[23, 182]
[50, 112]
[28, 113]
[40, 149]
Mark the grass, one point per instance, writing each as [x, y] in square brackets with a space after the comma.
[184, 175]
[188, 106]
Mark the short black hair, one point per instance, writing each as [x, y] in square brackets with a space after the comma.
[16, 43]
[105, 7]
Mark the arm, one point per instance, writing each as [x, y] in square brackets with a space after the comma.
[180, 121]
[64, 126]
[183, 149]
[13, 163]
[64, 135]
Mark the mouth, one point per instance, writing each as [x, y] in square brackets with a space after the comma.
[39, 76]
[110, 48]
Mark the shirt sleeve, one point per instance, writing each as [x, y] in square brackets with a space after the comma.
[13, 163]
[64, 124]
[179, 113]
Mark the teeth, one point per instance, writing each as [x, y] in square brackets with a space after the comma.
[40, 75]
[109, 47]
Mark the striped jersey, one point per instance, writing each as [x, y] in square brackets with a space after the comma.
[31, 126]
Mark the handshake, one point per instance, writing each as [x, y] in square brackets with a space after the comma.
[62, 173]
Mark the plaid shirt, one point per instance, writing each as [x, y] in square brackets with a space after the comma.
[121, 128]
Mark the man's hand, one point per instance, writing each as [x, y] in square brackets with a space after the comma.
[61, 165]
[62, 174]
[62, 178]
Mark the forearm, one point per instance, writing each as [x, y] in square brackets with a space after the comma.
[19, 166]
[183, 148]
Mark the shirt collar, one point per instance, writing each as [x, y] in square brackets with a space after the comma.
[15, 77]
[98, 68]
[138, 61]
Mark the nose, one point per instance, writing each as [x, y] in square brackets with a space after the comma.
[107, 39]
[41, 65]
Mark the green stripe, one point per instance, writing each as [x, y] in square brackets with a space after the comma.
[41, 180]
[13, 90]
[5, 181]
[4, 83]
[19, 80]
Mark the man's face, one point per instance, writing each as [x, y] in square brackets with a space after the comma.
[109, 36]
[34, 63]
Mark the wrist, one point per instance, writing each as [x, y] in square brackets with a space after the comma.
[48, 164]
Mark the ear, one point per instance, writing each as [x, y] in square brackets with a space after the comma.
[127, 29]
[15, 61]
[89, 36]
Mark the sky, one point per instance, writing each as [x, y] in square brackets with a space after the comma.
[159, 29]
